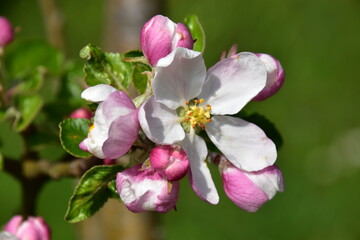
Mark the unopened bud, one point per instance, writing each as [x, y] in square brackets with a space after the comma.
[6, 32]
[34, 228]
[250, 190]
[275, 76]
[160, 36]
[146, 190]
[169, 161]
[81, 113]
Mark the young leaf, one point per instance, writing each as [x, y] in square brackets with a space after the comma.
[28, 107]
[105, 68]
[72, 132]
[26, 56]
[197, 32]
[32, 82]
[91, 193]
[140, 80]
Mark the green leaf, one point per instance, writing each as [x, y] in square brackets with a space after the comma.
[28, 107]
[112, 188]
[32, 82]
[11, 143]
[91, 193]
[72, 132]
[133, 54]
[197, 32]
[24, 57]
[140, 80]
[105, 68]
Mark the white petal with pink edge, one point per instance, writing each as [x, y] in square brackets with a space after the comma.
[233, 82]
[179, 77]
[97, 93]
[244, 144]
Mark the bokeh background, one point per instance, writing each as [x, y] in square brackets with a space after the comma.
[317, 113]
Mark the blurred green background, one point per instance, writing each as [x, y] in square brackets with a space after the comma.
[317, 113]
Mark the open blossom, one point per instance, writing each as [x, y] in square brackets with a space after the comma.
[250, 190]
[116, 124]
[34, 228]
[160, 36]
[187, 100]
[146, 190]
[170, 161]
[275, 76]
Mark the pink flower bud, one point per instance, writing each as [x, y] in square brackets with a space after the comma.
[146, 190]
[34, 228]
[6, 32]
[250, 190]
[275, 76]
[170, 161]
[81, 113]
[160, 36]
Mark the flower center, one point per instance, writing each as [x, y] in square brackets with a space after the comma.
[197, 116]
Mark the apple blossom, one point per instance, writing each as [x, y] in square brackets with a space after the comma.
[34, 228]
[250, 190]
[170, 161]
[116, 124]
[187, 100]
[146, 190]
[160, 36]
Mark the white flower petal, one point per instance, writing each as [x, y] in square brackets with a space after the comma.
[160, 124]
[97, 93]
[179, 77]
[196, 151]
[233, 82]
[244, 144]
[269, 180]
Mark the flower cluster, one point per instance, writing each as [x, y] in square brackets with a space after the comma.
[187, 108]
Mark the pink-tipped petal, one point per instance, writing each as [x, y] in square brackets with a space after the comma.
[250, 190]
[42, 228]
[6, 32]
[275, 77]
[244, 144]
[122, 134]
[146, 190]
[170, 161]
[13, 225]
[233, 82]
[156, 38]
[183, 37]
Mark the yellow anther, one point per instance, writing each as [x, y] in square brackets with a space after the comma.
[91, 128]
[197, 115]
